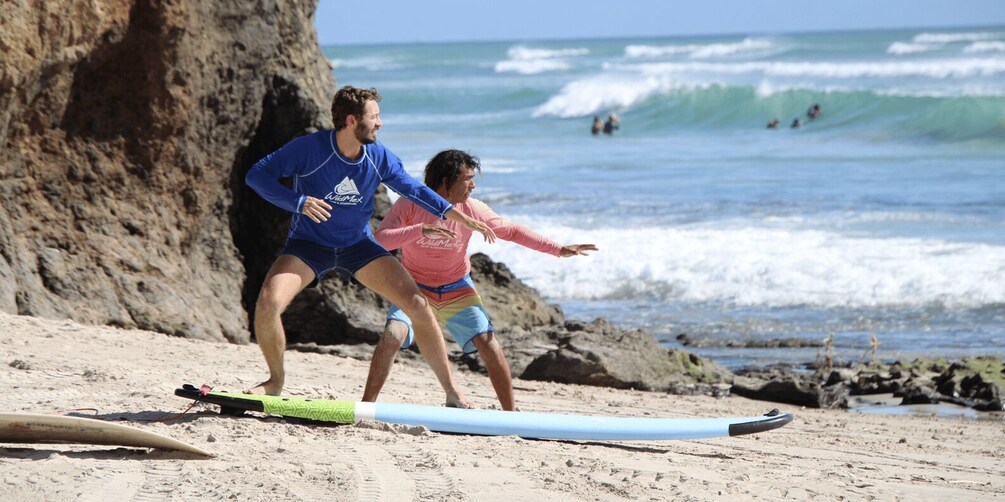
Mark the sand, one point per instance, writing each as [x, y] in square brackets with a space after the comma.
[129, 376]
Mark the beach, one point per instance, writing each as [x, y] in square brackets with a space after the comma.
[129, 376]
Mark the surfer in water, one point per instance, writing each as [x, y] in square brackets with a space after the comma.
[335, 174]
[612, 123]
[597, 125]
[814, 111]
[435, 254]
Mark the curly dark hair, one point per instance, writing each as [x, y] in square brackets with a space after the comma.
[446, 167]
[350, 101]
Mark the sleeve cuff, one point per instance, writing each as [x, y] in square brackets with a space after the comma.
[443, 216]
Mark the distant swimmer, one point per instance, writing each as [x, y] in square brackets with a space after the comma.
[814, 111]
[611, 124]
[773, 124]
[796, 123]
[597, 125]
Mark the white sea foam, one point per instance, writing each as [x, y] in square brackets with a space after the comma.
[969, 90]
[984, 47]
[651, 51]
[902, 48]
[608, 92]
[759, 266]
[525, 53]
[767, 88]
[946, 38]
[531, 66]
[926, 42]
[529, 61]
[700, 51]
[897, 216]
[375, 63]
[500, 165]
[936, 68]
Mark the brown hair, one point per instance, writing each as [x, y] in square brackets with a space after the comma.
[350, 101]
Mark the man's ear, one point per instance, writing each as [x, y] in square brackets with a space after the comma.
[350, 121]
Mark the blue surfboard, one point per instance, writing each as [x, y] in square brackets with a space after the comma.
[493, 422]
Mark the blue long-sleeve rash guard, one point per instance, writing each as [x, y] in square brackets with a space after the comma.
[320, 171]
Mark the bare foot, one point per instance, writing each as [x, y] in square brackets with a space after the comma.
[266, 388]
[459, 402]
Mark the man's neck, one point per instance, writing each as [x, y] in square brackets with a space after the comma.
[347, 144]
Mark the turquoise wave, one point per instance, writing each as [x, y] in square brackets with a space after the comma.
[942, 119]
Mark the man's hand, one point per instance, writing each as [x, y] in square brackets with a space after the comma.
[482, 228]
[473, 224]
[316, 209]
[576, 250]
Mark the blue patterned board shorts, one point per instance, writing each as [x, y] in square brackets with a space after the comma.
[456, 306]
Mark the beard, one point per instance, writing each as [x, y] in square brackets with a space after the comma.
[362, 135]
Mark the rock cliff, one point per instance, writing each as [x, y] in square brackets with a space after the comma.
[127, 127]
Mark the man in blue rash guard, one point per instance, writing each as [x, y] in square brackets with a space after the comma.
[335, 174]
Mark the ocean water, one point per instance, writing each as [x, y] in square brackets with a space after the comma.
[884, 217]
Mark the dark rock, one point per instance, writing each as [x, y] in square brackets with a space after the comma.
[509, 301]
[881, 382]
[802, 390]
[523, 346]
[976, 382]
[918, 393]
[600, 354]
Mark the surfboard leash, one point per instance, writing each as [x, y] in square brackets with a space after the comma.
[203, 391]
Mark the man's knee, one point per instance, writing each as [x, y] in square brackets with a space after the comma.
[415, 305]
[395, 332]
[269, 303]
[485, 341]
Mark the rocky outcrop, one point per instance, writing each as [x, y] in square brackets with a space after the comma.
[511, 302]
[599, 354]
[792, 388]
[771, 343]
[975, 383]
[127, 127]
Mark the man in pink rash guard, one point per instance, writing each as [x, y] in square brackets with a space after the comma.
[435, 254]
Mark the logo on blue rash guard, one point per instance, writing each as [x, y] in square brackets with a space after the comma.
[345, 193]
